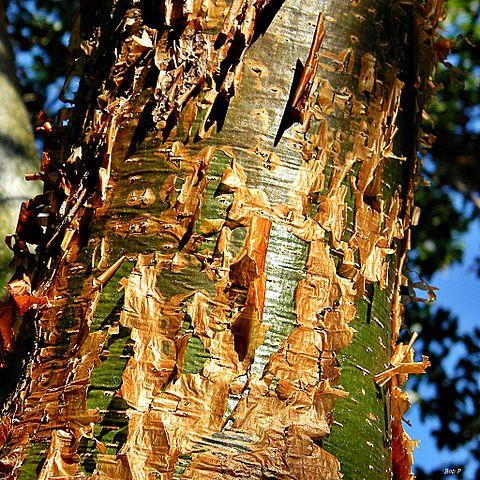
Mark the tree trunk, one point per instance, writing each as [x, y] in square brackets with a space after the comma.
[17, 151]
[219, 280]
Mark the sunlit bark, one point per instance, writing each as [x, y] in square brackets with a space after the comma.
[220, 279]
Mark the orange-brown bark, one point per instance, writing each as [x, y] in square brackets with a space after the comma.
[163, 176]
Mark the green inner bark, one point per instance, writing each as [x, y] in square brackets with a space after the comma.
[363, 416]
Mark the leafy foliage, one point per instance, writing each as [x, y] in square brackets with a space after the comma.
[449, 392]
[455, 111]
[438, 239]
[39, 31]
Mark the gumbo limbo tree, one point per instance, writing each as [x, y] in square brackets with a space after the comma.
[210, 284]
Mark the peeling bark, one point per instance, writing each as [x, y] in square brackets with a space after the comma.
[223, 246]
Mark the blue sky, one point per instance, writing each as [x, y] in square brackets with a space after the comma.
[459, 291]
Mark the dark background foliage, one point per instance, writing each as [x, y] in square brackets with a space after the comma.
[449, 393]
[39, 30]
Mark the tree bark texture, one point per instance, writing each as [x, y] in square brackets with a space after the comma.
[217, 293]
